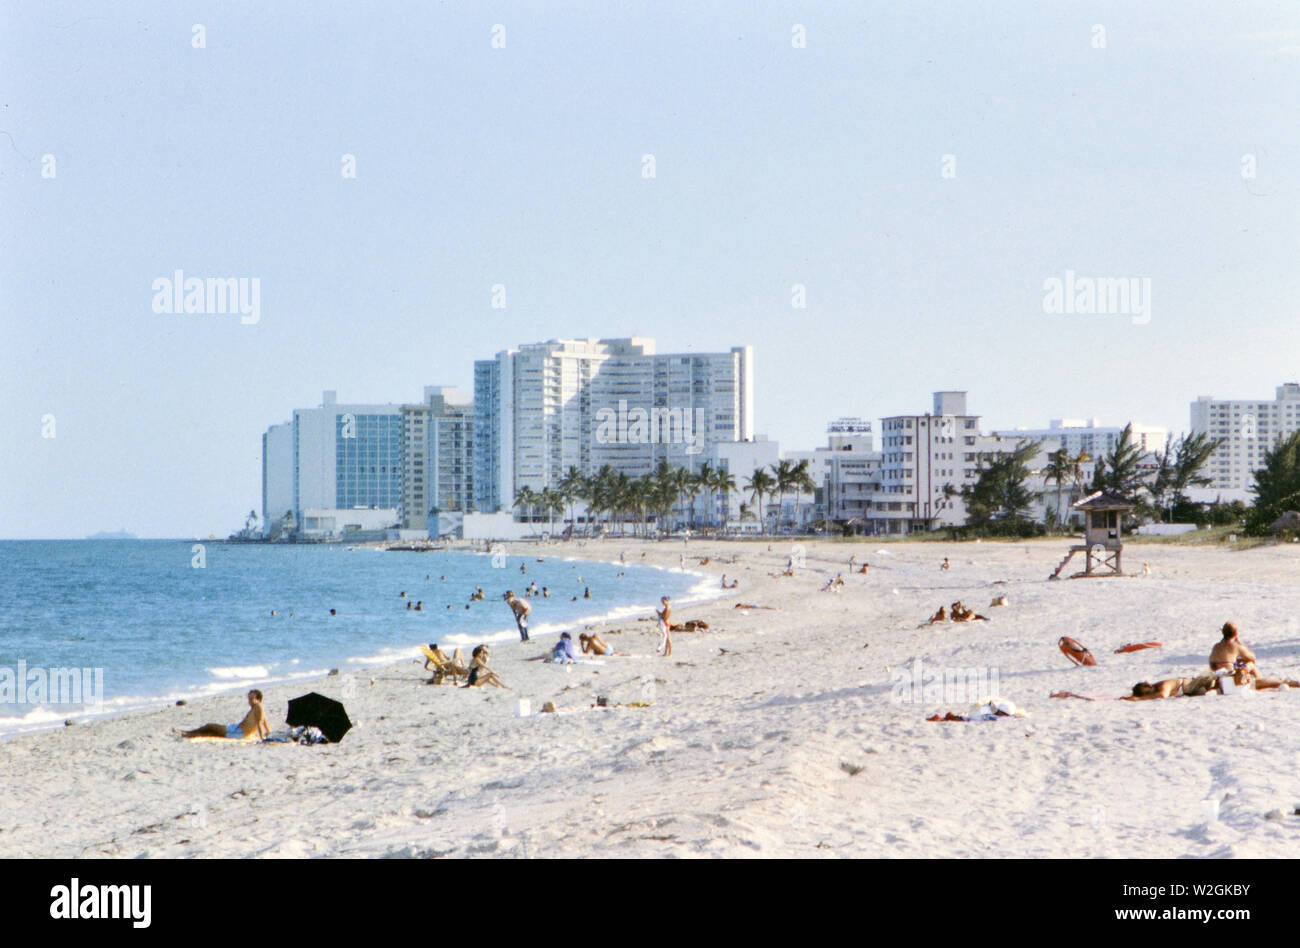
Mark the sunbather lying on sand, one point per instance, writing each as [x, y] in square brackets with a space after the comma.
[253, 725]
[1169, 688]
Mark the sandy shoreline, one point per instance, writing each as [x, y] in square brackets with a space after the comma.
[775, 733]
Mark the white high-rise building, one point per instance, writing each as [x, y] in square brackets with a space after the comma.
[543, 408]
[332, 458]
[1245, 430]
[1088, 436]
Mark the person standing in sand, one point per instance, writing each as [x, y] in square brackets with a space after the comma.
[254, 723]
[665, 627]
[521, 610]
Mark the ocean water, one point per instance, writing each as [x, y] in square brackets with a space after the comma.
[146, 625]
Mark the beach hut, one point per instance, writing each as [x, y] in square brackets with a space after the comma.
[1103, 535]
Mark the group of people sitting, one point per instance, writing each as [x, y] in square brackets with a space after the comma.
[452, 666]
[1230, 658]
[958, 612]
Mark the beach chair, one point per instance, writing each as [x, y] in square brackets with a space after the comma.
[441, 669]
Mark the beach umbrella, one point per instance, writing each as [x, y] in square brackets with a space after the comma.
[315, 710]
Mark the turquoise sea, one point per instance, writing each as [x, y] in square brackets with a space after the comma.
[162, 627]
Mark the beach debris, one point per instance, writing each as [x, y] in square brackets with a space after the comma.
[549, 707]
[989, 710]
[1075, 652]
[332, 673]
[851, 769]
[1137, 647]
[1274, 815]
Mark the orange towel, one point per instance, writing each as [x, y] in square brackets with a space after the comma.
[1136, 647]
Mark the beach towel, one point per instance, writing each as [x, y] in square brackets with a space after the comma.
[223, 740]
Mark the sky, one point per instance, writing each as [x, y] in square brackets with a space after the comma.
[920, 169]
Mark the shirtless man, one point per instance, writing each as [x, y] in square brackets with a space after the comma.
[1229, 649]
[594, 645]
[479, 673]
[254, 723]
[940, 616]
[454, 664]
[665, 627]
[521, 610]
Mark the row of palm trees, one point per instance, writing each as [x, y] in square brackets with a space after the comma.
[615, 498]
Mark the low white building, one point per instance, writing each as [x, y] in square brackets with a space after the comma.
[337, 523]
[740, 459]
[1089, 436]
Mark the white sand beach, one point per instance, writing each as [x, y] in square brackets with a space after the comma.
[774, 733]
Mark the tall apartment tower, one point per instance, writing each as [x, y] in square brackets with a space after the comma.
[437, 456]
[543, 408]
[1245, 430]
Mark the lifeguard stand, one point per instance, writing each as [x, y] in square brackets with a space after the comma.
[1103, 534]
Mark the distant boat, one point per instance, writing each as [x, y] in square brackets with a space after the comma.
[112, 535]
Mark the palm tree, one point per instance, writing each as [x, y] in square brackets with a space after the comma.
[725, 484]
[703, 482]
[525, 498]
[801, 481]
[551, 502]
[783, 471]
[1056, 471]
[760, 483]
[571, 489]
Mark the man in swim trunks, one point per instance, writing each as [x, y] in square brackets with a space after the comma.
[454, 664]
[521, 610]
[254, 723]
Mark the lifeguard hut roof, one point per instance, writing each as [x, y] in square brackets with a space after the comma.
[1101, 500]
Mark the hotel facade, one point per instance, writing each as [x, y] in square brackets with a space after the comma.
[543, 408]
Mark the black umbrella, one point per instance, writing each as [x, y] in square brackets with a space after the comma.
[314, 710]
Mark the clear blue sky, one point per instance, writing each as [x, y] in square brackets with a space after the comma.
[522, 166]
